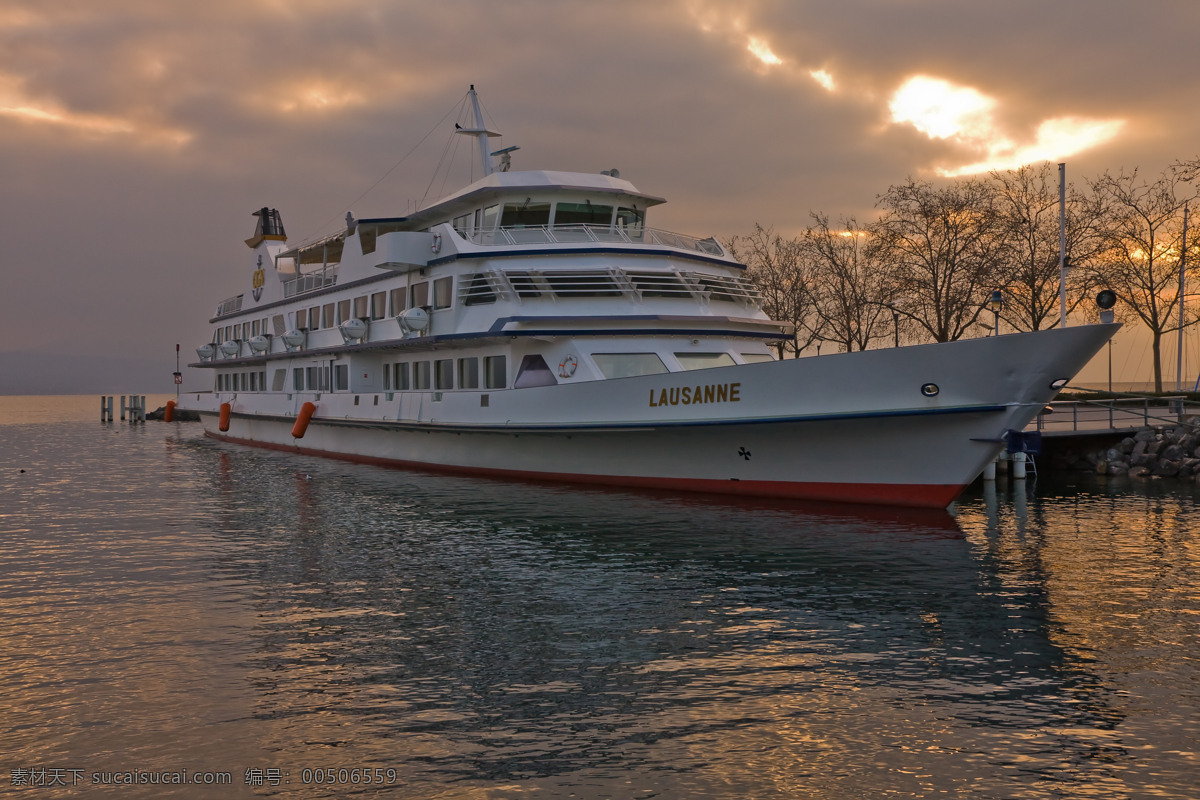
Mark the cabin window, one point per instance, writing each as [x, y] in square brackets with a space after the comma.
[479, 291]
[585, 213]
[298, 379]
[314, 318]
[360, 307]
[341, 377]
[343, 309]
[704, 360]
[632, 221]
[278, 379]
[490, 215]
[495, 372]
[628, 365]
[379, 305]
[397, 300]
[421, 375]
[443, 373]
[254, 328]
[534, 372]
[462, 225]
[420, 295]
[468, 373]
[443, 292]
[526, 215]
[328, 320]
[400, 376]
[756, 358]
[312, 378]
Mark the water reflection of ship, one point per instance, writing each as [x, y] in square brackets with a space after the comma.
[583, 618]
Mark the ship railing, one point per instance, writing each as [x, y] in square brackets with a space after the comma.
[229, 306]
[487, 287]
[600, 234]
[309, 282]
[1115, 414]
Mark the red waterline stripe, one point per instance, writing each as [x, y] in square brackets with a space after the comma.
[911, 495]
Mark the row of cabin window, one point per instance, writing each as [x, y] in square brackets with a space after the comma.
[537, 213]
[242, 330]
[379, 305]
[446, 373]
[321, 378]
[242, 382]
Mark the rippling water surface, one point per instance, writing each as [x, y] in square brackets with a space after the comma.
[171, 603]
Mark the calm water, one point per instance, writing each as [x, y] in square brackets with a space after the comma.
[171, 603]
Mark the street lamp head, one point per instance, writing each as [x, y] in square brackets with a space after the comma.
[996, 301]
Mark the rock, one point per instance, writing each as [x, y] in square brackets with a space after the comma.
[1153, 448]
[1102, 468]
[1189, 464]
[1126, 445]
[1144, 435]
[1139, 449]
[180, 415]
[1117, 469]
[1167, 469]
[1139, 472]
[1113, 454]
[1143, 460]
[1172, 452]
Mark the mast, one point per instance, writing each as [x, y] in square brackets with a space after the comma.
[481, 134]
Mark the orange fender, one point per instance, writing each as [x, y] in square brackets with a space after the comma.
[169, 414]
[306, 412]
[223, 420]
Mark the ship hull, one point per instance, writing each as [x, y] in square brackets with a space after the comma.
[909, 426]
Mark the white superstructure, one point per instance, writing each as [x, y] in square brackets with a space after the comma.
[534, 325]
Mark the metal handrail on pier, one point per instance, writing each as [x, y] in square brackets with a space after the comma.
[1114, 414]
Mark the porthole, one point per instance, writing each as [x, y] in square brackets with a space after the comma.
[930, 390]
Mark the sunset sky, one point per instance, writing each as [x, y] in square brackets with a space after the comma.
[137, 137]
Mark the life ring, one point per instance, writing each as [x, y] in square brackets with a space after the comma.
[566, 367]
[437, 243]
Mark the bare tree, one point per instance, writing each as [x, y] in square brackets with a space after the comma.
[1140, 224]
[782, 274]
[851, 288]
[947, 247]
[1027, 203]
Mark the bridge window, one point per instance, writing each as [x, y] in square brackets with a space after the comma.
[704, 360]
[526, 215]
[628, 365]
[585, 213]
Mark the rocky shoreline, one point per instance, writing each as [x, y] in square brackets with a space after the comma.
[1163, 452]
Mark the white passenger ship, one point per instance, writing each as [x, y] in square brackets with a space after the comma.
[533, 325]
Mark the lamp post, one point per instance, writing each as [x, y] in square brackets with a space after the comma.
[996, 302]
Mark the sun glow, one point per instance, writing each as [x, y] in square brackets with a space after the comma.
[24, 109]
[941, 110]
[963, 115]
[823, 78]
[762, 51]
[319, 96]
